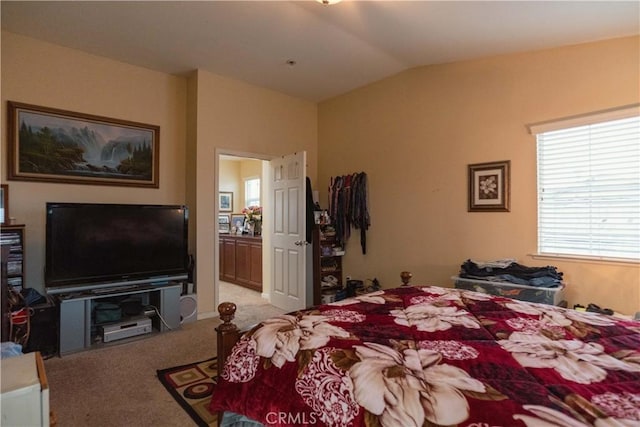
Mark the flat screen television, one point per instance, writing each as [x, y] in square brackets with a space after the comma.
[95, 245]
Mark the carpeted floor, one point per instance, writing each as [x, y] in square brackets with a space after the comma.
[117, 385]
[191, 386]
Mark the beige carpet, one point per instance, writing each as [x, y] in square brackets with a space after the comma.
[252, 308]
[117, 385]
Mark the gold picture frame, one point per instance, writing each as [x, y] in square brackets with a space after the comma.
[489, 187]
[52, 145]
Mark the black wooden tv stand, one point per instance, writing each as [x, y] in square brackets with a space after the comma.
[77, 329]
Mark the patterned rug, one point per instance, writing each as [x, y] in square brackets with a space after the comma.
[191, 385]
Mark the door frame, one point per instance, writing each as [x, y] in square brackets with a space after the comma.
[266, 240]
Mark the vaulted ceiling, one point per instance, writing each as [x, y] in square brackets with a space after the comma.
[309, 50]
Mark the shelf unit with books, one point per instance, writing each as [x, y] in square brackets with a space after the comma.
[14, 237]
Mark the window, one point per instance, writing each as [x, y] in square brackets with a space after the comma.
[589, 185]
[252, 192]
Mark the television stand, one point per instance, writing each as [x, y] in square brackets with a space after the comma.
[103, 291]
[78, 330]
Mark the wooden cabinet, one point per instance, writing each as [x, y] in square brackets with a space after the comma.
[228, 259]
[241, 261]
[327, 261]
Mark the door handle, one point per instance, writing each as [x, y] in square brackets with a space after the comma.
[301, 243]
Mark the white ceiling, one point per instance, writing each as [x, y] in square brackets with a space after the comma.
[336, 48]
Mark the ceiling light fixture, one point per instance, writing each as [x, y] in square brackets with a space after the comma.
[328, 2]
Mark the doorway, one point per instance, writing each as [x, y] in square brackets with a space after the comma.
[241, 274]
[277, 263]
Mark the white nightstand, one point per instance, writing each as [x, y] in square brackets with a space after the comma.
[25, 391]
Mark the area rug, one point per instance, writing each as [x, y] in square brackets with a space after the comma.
[191, 386]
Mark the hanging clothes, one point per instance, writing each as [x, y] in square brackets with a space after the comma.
[310, 208]
[348, 207]
[336, 209]
[359, 210]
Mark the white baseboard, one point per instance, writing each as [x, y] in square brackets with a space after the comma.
[207, 315]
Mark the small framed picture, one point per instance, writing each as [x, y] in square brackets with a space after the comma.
[223, 219]
[4, 204]
[225, 201]
[237, 221]
[489, 187]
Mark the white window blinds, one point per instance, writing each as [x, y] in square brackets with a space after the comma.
[589, 189]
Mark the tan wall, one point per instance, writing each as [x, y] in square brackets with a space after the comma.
[44, 74]
[238, 118]
[229, 175]
[415, 133]
[197, 116]
[191, 158]
[232, 175]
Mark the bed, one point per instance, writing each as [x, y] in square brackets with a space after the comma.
[431, 356]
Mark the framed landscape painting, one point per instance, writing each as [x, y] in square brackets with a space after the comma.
[47, 144]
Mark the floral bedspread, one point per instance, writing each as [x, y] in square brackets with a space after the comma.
[430, 356]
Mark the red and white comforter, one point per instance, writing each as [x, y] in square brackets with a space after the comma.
[430, 356]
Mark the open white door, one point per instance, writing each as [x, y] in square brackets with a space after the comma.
[290, 289]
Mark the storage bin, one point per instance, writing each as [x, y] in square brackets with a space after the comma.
[552, 296]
